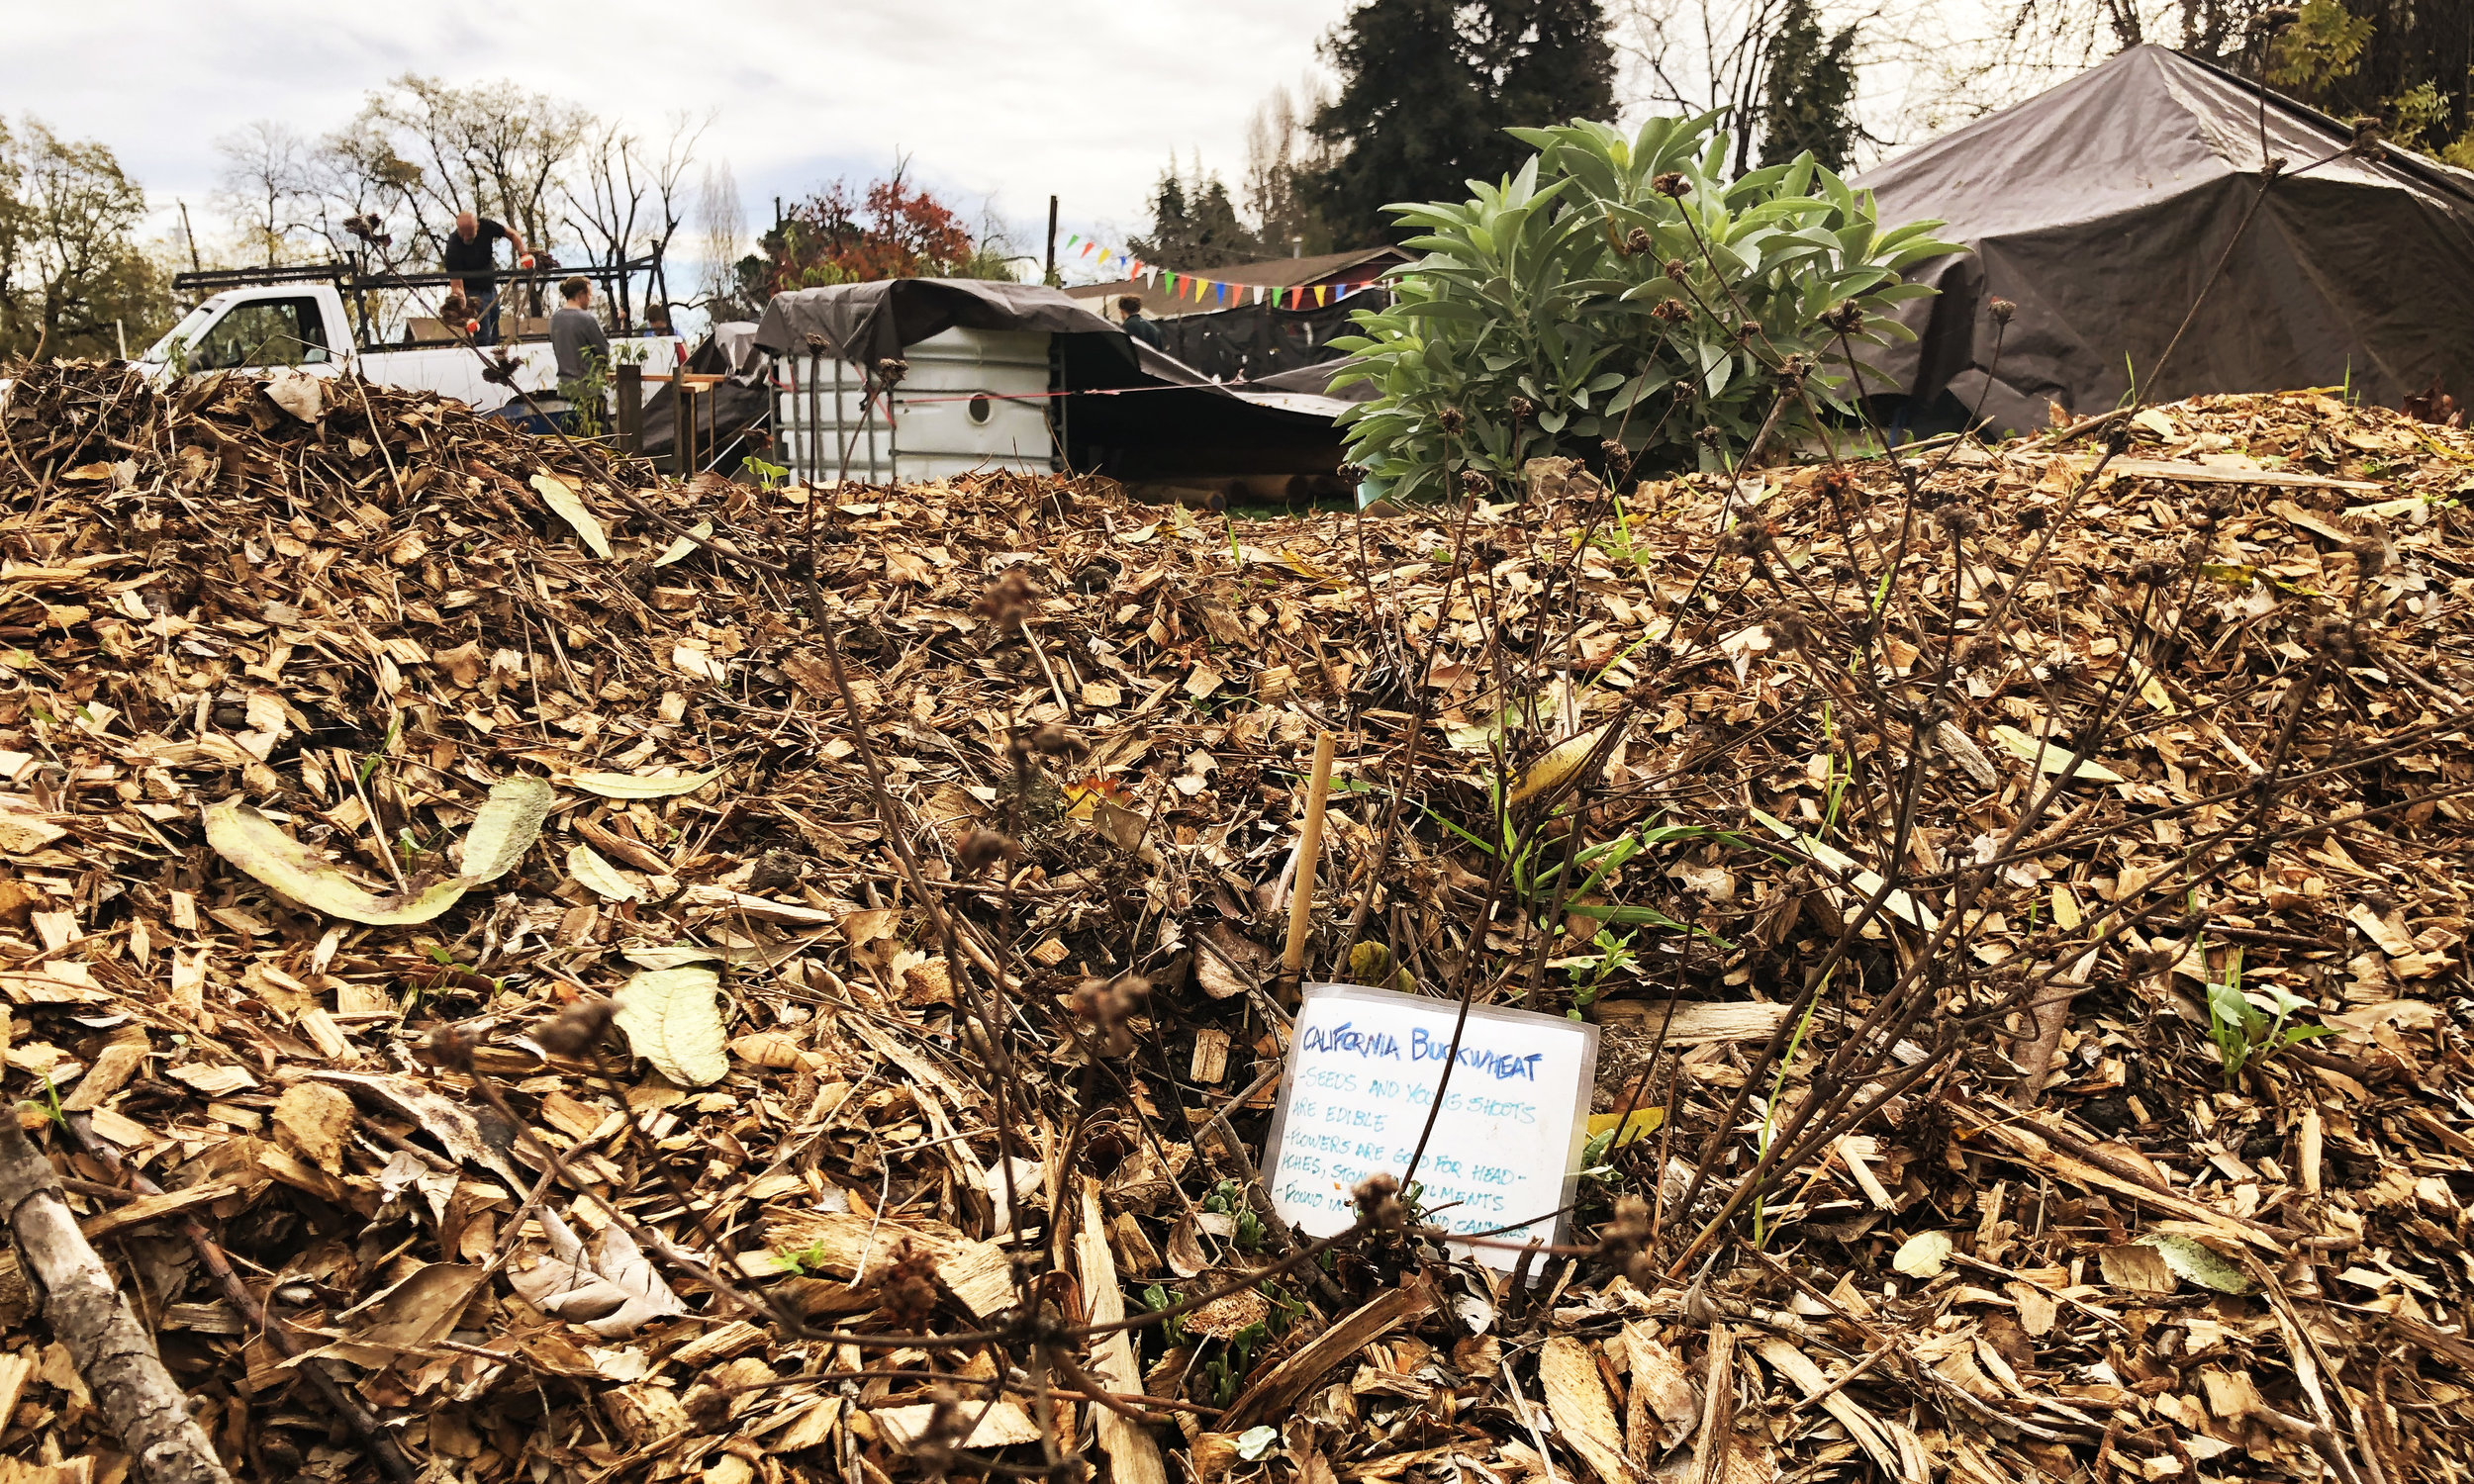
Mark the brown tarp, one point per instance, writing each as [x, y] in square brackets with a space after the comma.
[2102, 206]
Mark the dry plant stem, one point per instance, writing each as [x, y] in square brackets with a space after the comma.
[278, 1331]
[991, 1025]
[139, 1399]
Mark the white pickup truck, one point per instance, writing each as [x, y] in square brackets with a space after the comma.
[302, 324]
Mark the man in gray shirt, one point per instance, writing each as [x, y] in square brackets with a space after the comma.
[576, 333]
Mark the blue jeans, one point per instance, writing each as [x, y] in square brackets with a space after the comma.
[487, 313]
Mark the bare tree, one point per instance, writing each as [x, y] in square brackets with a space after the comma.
[721, 224]
[269, 191]
[493, 148]
[1283, 154]
[604, 195]
[668, 173]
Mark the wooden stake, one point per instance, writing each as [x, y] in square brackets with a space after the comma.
[1309, 850]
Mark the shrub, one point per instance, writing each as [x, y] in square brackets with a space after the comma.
[1619, 287]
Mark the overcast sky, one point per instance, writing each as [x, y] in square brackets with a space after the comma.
[991, 98]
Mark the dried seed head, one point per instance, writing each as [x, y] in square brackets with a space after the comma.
[817, 344]
[1711, 436]
[1671, 183]
[1789, 627]
[1054, 740]
[1450, 419]
[891, 370]
[1846, 318]
[1669, 310]
[1377, 1198]
[1106, 1006]
[1956, 520]
[708, 1407]
[1007, 600]
[908, 1289]
[1745, 538]
[2001, 310]
[1476, 483]
[2033, 517]
[451, 1048]
[1520, 407]
[2370, 555]
[1638, 242]
[982, 849]
[1677, 269]
[1618, 460]
[577, 1029]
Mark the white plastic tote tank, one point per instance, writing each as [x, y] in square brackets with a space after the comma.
[973, 400]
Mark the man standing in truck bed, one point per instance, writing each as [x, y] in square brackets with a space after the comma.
[471, 264]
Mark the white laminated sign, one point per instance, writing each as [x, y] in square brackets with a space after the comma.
[1364, 1068]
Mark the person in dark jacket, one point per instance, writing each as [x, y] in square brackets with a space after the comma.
[576, 334]
[471, 264]
[1138, 325]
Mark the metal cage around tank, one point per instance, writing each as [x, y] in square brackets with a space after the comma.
[970, 399]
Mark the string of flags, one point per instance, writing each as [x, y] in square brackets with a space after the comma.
[1207, 290]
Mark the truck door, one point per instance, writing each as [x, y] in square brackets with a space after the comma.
[286, 330]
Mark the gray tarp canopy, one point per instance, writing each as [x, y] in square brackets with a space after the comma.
[2100, 207]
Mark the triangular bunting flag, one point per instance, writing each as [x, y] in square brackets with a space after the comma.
[1319, 292]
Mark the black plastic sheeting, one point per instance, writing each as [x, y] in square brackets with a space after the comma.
[1258, 340]
[2100, 208]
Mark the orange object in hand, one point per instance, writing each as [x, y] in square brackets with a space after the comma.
[525, 261]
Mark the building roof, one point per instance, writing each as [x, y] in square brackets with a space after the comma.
[1358, 266]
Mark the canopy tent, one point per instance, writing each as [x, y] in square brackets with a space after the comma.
[2102, 207]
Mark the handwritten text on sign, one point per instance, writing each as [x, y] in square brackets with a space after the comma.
[1364, 1068]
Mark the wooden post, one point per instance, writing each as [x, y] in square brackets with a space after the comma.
[1309, 850]
[631, 419]
[1049, 276]
[682, 423]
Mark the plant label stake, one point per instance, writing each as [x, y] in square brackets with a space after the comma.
[1309, 850]
[1363, 1067]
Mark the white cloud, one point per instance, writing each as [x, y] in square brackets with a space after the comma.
[996, 101]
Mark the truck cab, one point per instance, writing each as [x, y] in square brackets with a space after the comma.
[299, 326]
[296, 319]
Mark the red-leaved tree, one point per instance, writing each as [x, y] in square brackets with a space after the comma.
[892, 229]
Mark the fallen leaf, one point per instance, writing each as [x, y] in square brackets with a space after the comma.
[1552, 770]
[504, 826]
[559, 494]
[673, 1019]
[632, 785]
[251, 841]
[600, 876]
[678, 549]
[611, 1291]
[1924, 1255]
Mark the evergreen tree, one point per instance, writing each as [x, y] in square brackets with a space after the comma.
[1427, 88]
[1808, 99]
[1194, 225]
[1411, 118]
[1551, 63]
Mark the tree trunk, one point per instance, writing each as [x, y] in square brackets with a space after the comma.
[139, 1399]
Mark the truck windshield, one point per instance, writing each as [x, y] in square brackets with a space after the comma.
[263, 333]
[182, 334]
